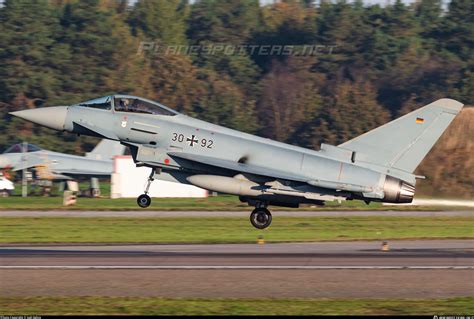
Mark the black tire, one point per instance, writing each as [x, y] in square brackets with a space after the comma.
[261, 218]
[143, 200]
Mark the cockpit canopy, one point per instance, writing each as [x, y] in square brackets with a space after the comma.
[103, 103]
[18, 148]
[128, 103]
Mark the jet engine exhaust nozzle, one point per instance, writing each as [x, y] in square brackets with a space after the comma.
[398, 191]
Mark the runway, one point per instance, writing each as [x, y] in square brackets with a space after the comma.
[429, 268]
[357, 255]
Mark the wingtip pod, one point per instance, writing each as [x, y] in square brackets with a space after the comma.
[449, 105]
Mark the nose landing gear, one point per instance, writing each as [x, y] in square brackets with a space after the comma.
[261, 217]
[144, 200]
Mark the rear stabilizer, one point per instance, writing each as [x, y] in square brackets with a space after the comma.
[404, 142]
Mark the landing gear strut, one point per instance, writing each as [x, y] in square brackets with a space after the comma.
[144, 200]
[261, 218]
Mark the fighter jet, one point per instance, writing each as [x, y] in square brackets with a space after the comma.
[375, 166]
[59, 166]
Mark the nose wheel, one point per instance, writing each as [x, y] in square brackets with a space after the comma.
[144, 200]
[261, 218]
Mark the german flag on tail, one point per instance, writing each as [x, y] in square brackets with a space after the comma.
[420, 120]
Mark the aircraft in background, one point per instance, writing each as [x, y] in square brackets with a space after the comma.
[375, 166]
[49, 165]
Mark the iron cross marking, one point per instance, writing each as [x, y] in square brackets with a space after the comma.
[192, 140]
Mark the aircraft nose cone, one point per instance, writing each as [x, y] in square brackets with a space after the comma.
[53, 117]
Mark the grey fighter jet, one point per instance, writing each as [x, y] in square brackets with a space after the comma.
[59, 166]
[375, 166]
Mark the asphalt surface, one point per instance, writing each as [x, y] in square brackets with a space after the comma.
[410, 269]
[366, 254]
[294, 213]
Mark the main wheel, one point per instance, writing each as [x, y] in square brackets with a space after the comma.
[143, 200]
[261, 218]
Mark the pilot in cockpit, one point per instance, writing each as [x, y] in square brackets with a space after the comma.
[124, 104]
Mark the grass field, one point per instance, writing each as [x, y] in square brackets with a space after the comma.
[228, 230]
[159, 306]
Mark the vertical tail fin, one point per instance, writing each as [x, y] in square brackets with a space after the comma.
[404, 142]
[106, 149]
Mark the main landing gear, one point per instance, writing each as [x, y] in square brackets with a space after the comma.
[144, 200]
[261, 217]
